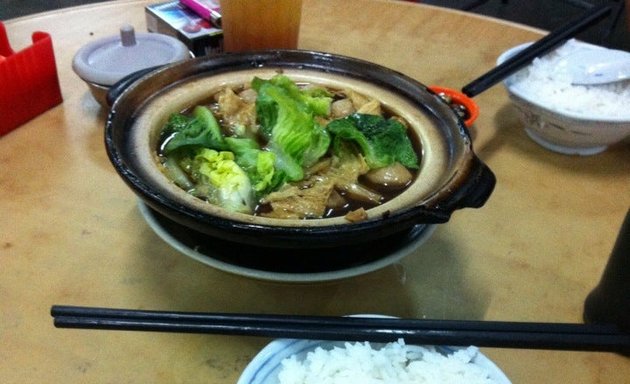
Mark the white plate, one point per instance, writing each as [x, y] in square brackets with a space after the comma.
[299, 266]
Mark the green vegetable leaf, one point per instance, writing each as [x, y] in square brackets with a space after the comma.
[286, 117]
[221, 181]
[318, 99]
[258, 164]
[381, 141]
[200, 129]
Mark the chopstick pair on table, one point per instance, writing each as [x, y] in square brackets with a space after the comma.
[539, 48]
[497, 334]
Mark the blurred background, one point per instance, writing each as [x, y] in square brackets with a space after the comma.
[550, 14]
[545, 14]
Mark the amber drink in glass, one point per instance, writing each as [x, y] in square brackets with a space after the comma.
[260, 24]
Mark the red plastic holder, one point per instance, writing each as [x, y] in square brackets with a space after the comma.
[29, 84]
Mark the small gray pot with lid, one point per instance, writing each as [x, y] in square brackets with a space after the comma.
[104, 62]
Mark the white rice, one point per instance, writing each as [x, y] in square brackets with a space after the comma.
[547, 81]
[394, 363]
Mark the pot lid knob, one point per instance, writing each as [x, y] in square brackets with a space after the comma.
[127, 35]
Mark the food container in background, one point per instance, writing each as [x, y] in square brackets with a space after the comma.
[565, 118]
[29, 84]
[104, 62]
[175, 19]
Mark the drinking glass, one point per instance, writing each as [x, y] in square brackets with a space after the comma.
[260, 24]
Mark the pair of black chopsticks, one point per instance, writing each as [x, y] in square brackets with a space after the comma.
[541, 47]
[555, 336]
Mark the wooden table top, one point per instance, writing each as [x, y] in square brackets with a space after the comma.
[71, 231]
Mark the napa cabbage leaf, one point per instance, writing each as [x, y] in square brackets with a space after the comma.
[221, 181]
[258, 164]
[286, 115]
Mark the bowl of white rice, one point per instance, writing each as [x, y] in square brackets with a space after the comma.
[563, 117]
[291, 361]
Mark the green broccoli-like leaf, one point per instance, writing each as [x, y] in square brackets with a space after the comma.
[381, 141]
[200, 129]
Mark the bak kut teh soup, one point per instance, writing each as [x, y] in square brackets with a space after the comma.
[275, 148]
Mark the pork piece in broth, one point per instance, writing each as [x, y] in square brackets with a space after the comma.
[352, 102]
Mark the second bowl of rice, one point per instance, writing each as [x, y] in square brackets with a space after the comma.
[291, 361]
[566, 118]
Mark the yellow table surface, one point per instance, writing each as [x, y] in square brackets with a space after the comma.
[71, 232]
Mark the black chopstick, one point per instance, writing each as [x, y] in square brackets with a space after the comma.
[559, 336]
[540, 47]
[325, 321]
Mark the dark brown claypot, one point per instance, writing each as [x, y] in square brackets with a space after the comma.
[451, 176]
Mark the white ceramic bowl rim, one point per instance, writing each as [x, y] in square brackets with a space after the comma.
[266, 364]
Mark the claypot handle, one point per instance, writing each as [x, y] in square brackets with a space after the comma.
[477, 188]
[473, 193]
